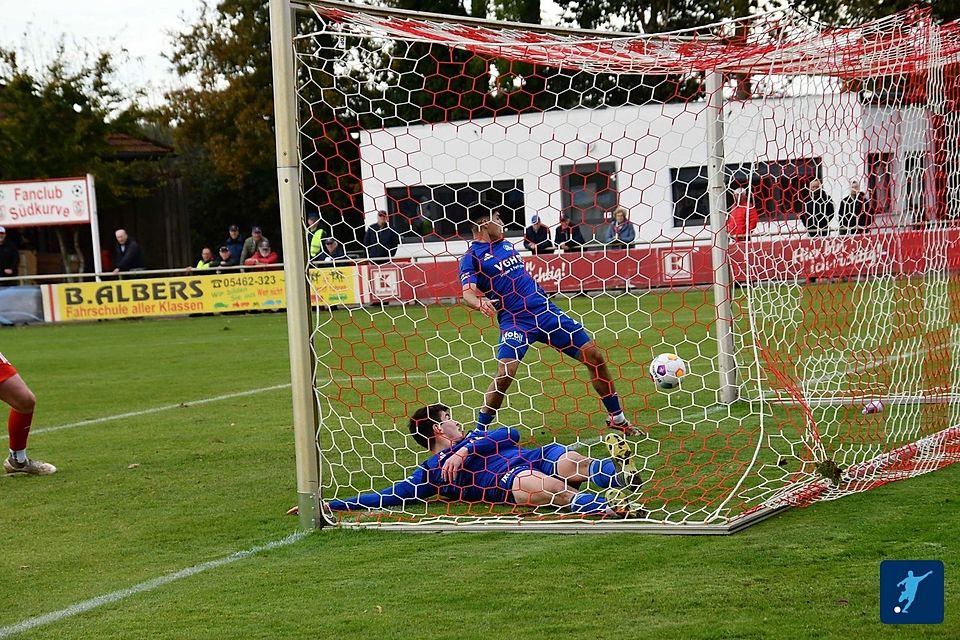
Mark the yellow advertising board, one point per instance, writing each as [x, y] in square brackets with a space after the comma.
[197, 293]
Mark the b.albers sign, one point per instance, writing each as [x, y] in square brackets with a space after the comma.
[45, 202]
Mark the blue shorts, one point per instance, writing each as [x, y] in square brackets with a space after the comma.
[542, 459]
[552, 327]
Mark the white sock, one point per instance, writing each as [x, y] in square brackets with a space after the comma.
[20, 456]
[618, 418]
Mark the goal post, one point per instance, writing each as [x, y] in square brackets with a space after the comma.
[770, 199]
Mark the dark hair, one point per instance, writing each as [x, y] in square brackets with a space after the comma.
[422, 422]
[480, 212]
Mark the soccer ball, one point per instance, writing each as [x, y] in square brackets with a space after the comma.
[667, 369]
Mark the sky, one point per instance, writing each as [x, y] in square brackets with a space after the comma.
[32, 27]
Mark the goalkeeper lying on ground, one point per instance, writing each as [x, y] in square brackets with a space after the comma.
[490, 467]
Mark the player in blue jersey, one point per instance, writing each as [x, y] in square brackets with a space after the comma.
[490, 467]
[496, 283]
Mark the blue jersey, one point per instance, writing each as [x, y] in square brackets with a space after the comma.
[499, 273]
[490, 454]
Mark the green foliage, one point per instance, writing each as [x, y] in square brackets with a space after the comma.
[223, 123]
[863, 10]
[56, 120]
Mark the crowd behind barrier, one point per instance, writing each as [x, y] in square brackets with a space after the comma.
[348, 281]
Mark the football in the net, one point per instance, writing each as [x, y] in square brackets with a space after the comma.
[667, 369]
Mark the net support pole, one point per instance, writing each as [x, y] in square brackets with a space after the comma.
[723, 326]
[291, 230]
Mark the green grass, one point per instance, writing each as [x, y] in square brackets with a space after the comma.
[146, 496]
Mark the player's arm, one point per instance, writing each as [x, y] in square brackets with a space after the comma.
[471, 293]
[416, 488]
[476, 300]
[487, 444]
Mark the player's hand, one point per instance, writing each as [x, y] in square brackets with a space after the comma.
[486, 308]
[452, 465]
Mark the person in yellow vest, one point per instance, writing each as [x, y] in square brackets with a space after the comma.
[206, 262]
[315, 233]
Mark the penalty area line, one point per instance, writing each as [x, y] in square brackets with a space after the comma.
[144, 412]
[149, 585]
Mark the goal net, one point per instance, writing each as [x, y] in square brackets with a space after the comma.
[789, 196]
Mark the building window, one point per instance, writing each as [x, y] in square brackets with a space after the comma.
[441, 212]
[775, 189]
[589, 195]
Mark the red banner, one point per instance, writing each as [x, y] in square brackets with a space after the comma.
[904, 253]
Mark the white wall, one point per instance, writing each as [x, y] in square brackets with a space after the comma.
[645, 142]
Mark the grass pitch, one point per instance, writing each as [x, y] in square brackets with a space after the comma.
[200, 466]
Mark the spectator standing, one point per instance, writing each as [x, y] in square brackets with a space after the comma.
[9, 259]
[380, 239]
[315, 233]
[227, 259]
[817, 211]
[855, 213]
[333, 250]
[252, 244]
[537, 237]
[126, 255]
[234, 242]
[620, 233]
[263, 257]
[568, 236]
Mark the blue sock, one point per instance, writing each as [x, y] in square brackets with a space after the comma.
[612, 403]
[484, 420]
[588, 502]
[603, 473]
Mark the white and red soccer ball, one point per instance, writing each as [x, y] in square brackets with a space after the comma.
[667, 369]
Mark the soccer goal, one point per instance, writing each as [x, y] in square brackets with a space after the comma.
[773, 200]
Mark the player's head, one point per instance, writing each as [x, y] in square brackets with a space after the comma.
[428, 423]
[487, 226]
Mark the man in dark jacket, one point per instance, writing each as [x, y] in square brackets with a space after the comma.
[568, 236]
[9, 259]
[380, 240]
[817, 211]
[234, 243]
[126, 255]
[855, 214]
[537, 237]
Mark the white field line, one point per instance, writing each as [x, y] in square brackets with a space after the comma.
[241, 394]
[135, 414]
[149, 585]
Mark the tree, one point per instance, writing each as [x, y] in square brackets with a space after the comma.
[223, 123]
[54, 123]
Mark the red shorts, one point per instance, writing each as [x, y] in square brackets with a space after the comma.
[7, 370]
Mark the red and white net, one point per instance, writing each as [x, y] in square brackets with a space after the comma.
[845, 321]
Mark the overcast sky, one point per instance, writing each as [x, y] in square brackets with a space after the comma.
[139, 26]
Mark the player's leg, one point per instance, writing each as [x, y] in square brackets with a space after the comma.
[510, 351]
[592, 358]
[616, 471]
[533, 488]
[569, 337]
[15, 392]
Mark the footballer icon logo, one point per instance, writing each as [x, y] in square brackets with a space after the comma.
[911, 592]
